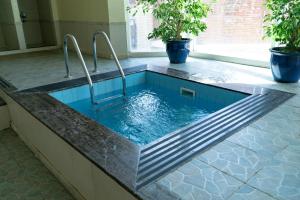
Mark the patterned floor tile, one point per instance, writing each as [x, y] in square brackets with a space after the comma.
[248, 193]
[290, 156]
[260, 141]
[277, 124]
[287, 112]
[279, 180]
[157, 191]
[295, 101]
[233, 159]
[197, 180]
[22, 176]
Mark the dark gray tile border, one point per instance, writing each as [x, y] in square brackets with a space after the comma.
[113, 154]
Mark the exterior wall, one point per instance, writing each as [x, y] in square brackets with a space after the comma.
[234, 20]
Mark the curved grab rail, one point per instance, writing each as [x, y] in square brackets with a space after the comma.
[73, 39]
[113, 54]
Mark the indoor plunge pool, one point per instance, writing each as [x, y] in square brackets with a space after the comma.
[155, 104]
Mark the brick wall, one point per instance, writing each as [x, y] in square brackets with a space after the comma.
[234, 21]
[231, 22]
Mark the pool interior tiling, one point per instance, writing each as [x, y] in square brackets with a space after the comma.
[261, 161]
[154, 105]
[22, 175]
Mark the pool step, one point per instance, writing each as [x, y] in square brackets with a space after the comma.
[116, 102]
[109, 98]
[170, 151]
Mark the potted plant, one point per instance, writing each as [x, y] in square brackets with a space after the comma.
[175, 17]
[282, 24]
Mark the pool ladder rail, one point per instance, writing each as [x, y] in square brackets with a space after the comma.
[87, 74]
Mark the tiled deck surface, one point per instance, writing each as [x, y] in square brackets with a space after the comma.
[22, 175]
[261, 162]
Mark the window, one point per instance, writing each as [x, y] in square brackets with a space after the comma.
[140, 26]
[235, 29]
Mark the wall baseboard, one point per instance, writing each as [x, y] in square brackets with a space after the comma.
[21, 51]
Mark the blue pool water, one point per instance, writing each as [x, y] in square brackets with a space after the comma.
[154, 105]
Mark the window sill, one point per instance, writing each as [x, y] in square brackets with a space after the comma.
[243, 61]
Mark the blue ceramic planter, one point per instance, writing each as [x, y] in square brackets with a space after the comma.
[285, 66]
[178, 50]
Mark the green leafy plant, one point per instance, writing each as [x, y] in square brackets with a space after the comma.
[282, 23]
[175, 17]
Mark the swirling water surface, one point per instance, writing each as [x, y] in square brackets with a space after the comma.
[147, 113]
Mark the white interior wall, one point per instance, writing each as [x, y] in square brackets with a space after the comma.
[2, 41]
[9, 32]
[46, 21]
[12, 30]
[31, 28]
[4, 117]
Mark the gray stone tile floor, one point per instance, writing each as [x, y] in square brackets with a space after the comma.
[260, 162]
[279, 180]
[197, 180]
[22, 175]
[233, 159]
[248, 193]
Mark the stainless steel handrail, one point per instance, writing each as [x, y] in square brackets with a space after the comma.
[91, 87]
[113, 54]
